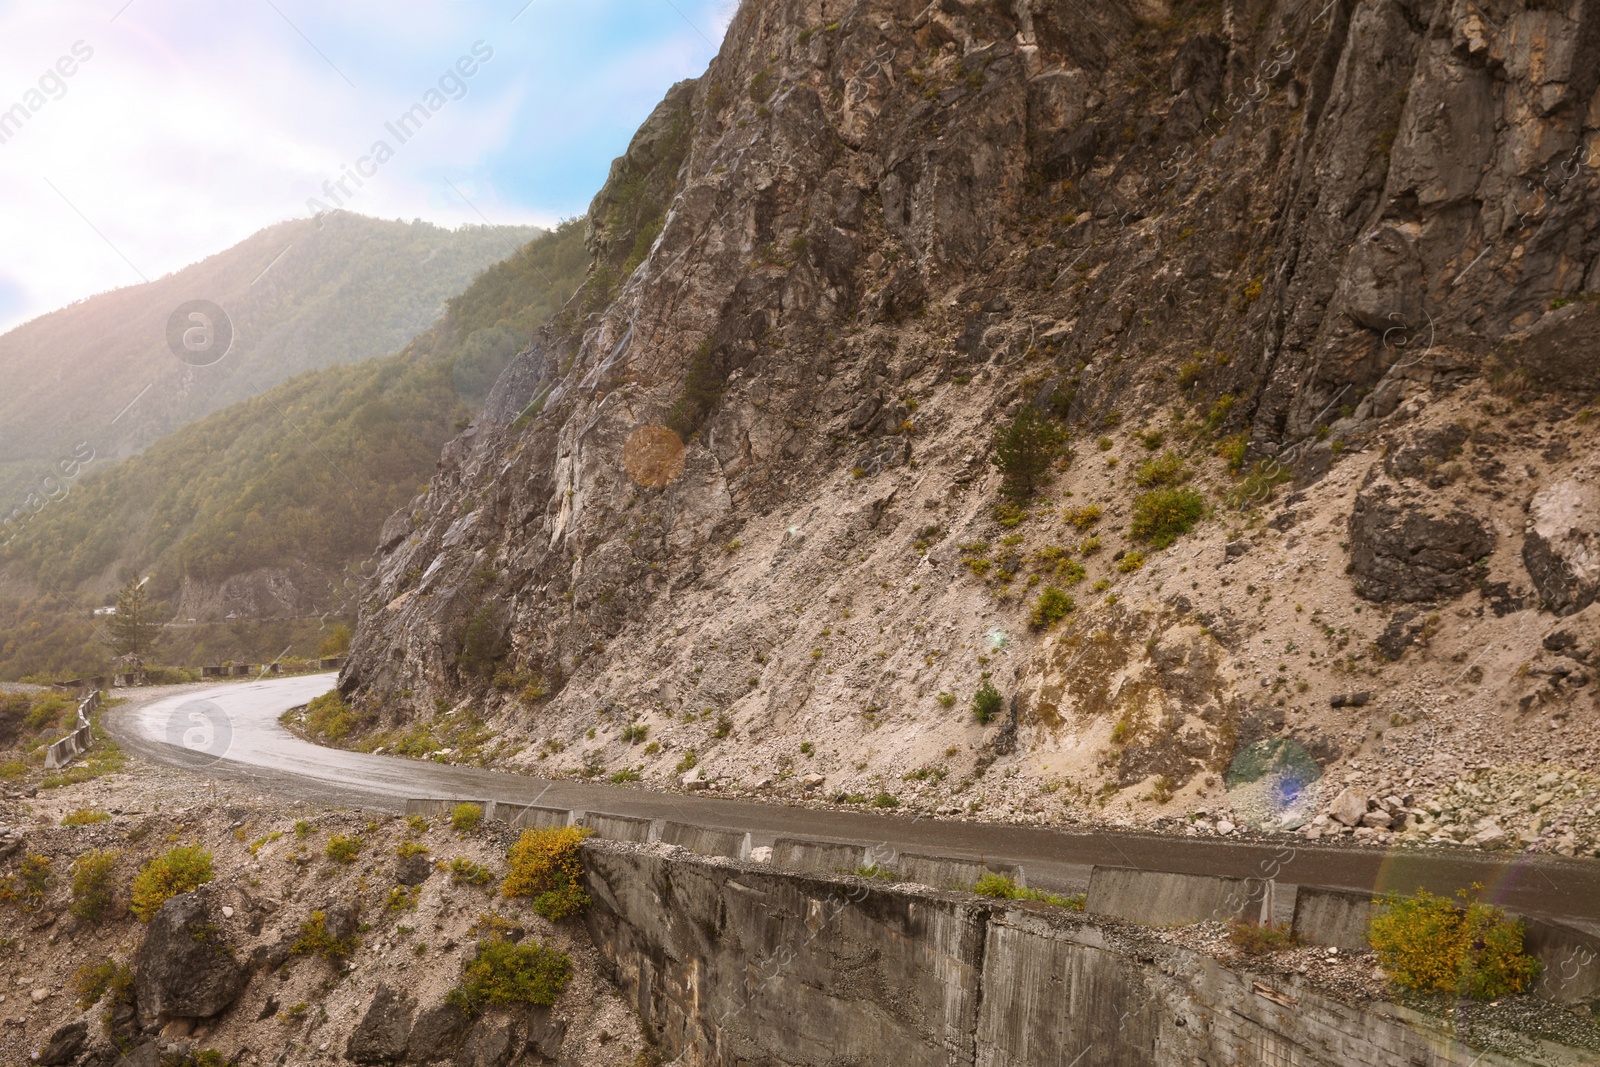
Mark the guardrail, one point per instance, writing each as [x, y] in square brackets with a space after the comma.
[78, 741]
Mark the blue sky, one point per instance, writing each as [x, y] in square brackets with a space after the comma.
[184, 126]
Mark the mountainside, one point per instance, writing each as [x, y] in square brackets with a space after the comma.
[1055, 412]
[260, 510]
[103, 378]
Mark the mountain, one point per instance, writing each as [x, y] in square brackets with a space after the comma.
[252, 517]
[1134, 412]
[108, 376]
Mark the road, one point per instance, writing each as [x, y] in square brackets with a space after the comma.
[231, 732]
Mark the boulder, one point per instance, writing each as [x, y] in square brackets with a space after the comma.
[488, 1044]
[412, 870]
[383, 1032]
[146, 1055]
[437, 1034]
[1561, 549]
[545, 1033]
[1411, 547]
[1378, 819]
[1348, 807]
[341, 921]
[64, 1045]
[185, 967]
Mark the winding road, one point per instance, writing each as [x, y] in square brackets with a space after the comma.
[231, 732]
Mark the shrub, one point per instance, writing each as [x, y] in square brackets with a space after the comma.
[330, 719]
[466, 817]
[987, 703]
[84, 817]
[92, 887]
[1128, 564]
[402, 898]
[416, 824]
[1000, 887]
[29, 886]
[1023, 452]
[314, 939]
[946, 700]
[690, 760]
[885, 799]
[636, 732]
[1083, 517]
[545, 866]
[627, 774]
[1052, 606]
[504, 973]
[95, 980]
[406, 849]
[1432, 944]
[343, 848]
[180, 870]
[875, 871]
[1257, 940]
[483, 642]
[464, 872]
[1167, 469]
[1161, 516]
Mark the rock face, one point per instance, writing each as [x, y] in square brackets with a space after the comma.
[64, 1045]
[185, 967]
[384, 1030]
[1562, 546]
[827, 270]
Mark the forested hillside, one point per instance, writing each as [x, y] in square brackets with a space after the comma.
[257, 511]
[101, 377]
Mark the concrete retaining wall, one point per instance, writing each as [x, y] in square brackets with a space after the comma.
[941, 872]
[1571, 959]
[699, 840]
[1161, 898]
[1336, 917]
[619, 827]
[731, 963]
[533, 816]
[828, 857]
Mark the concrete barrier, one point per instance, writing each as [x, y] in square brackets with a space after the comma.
[619, 827]
[1571, 959]
[243, 670]
[435, 806]
[78, 741]
[213, 672]
[943, 872]
[831, 857]
[331, 663]
[1336, 917]
[1162, 898]
[533, 816]
[699, 840]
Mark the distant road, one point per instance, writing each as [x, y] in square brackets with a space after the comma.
[231, 732]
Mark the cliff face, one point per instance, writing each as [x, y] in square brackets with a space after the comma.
[743, 494]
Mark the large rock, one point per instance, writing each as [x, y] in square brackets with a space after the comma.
[437, 1034]
[1409, 546]
[1349, 807]
[488, 1044]
[185, 967]
[1562, 349]
[64, 1045]
[412, 870]
[545, 1032]
[1562, 546]
[384, 1030]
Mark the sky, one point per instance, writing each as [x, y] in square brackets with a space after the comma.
[139, 136]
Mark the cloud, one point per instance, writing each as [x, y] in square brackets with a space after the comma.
[192, 126]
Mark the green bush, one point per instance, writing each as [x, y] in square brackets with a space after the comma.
[545, 865]
[466, 817]
[330, 719]
[95, 980]
[343, 848]
[1167, 469]
[1052, 606]
[1260, 939]
[1161, 516]
[1432, 944]
[885, 799]
[84, 817]
[987, 703]
[28, 888]
[483, 642]
[314, 939]
[504, 973]
[1000, 887]
[464, 872]
[180, 870]
[93, 890]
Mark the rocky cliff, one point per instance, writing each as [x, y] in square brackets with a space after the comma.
[1306, 286]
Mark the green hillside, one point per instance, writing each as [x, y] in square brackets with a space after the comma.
[300, 477]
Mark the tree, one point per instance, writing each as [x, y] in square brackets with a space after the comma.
[1023, 451]
[133, 631]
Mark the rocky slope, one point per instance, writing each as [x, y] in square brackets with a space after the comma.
[734, 522]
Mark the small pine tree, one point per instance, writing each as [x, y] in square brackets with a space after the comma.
[133, 631]
[1023, 451]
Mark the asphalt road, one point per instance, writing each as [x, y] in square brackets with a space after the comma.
[231, 733]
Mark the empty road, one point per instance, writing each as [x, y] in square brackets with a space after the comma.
[231, 732]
